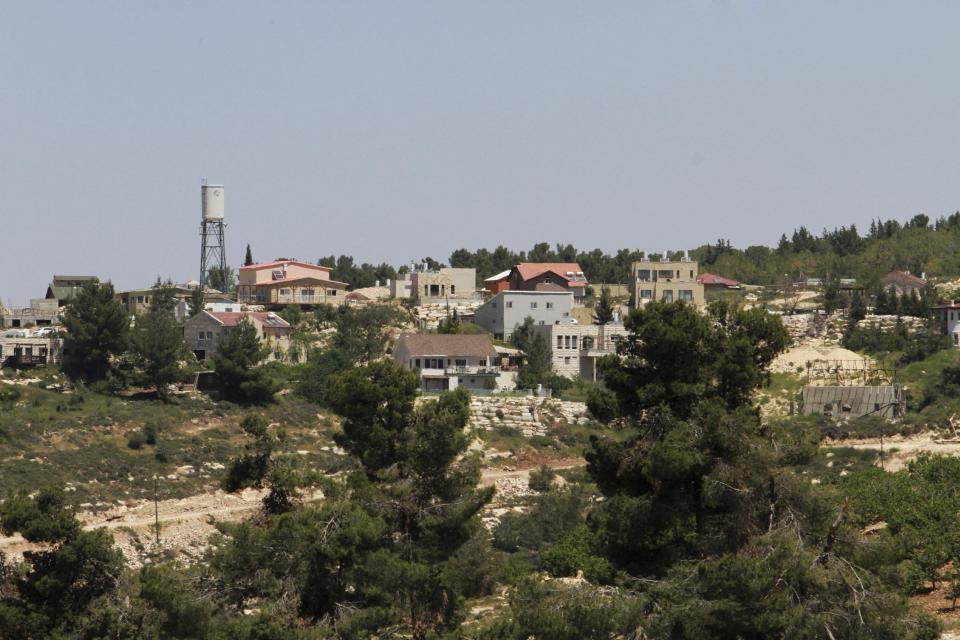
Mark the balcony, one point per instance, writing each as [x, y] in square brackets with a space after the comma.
[473, 371]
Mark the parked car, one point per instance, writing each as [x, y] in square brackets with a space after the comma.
[43, 332]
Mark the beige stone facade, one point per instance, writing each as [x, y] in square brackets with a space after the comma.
[665, 281]
[445, 284]
[575, 348]
[204, 331]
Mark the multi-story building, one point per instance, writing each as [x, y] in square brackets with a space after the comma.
[449, 361]
[204, 331]
[667, 281]
[505, 311]
[282, 282]
[444, 284]
[577, 347]
[541, 276]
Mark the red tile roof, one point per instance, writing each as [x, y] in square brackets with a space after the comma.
[709, 278]
[278, 263]
[528, 270]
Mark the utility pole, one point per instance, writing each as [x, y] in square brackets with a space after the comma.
[156, 511]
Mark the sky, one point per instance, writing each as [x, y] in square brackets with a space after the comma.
[392, 131]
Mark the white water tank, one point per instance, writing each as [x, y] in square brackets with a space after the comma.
[211, 198]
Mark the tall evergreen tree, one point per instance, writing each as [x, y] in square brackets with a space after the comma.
[248, 257]
[157, 340]
[97, 329]
[196, 302]
[236, 369]
[603, 311]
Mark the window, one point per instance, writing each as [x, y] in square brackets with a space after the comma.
[417, 363]
[668, 296]
[453, 289]
[460, 362]
[566, 314]
[284, 292]
[549, 305]
[559, 342]
[533, 305]
[276, 275]
[574, 342]
[200, 337]
[685, 294]
[548, 280]
[646, 294]
[209, 335]
[566, 342]
[332, 292]
[566, 360]
[510, 304]
[306, 293]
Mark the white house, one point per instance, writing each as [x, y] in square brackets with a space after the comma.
[449, 361]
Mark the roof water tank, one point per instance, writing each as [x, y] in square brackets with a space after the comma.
[212, 201]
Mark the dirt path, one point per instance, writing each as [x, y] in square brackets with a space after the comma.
[187, 524]
[899, 450]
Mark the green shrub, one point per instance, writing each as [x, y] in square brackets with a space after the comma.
[541, 480]
[136, 440]
[575, 552]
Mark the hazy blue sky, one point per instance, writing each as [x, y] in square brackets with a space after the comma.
[397, 130]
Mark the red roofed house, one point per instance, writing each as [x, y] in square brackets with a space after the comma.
[714, 284]
[541, 276]
[204, 330]
[282, 282]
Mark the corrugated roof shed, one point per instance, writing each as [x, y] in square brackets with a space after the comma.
[853, 401]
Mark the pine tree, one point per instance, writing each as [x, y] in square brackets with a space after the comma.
[97, 329]
[603, 311]
[196, 302]
[235, 364]
[158, 348]
[248, 257]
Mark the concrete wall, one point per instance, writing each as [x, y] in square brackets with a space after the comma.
[508, 309]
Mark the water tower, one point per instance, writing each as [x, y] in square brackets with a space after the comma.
[212, 250]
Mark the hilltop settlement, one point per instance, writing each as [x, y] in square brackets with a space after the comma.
[704, 442]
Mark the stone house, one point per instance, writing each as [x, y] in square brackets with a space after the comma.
[204, 330]
[576, 348]
[666, 281]
[446, 283]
